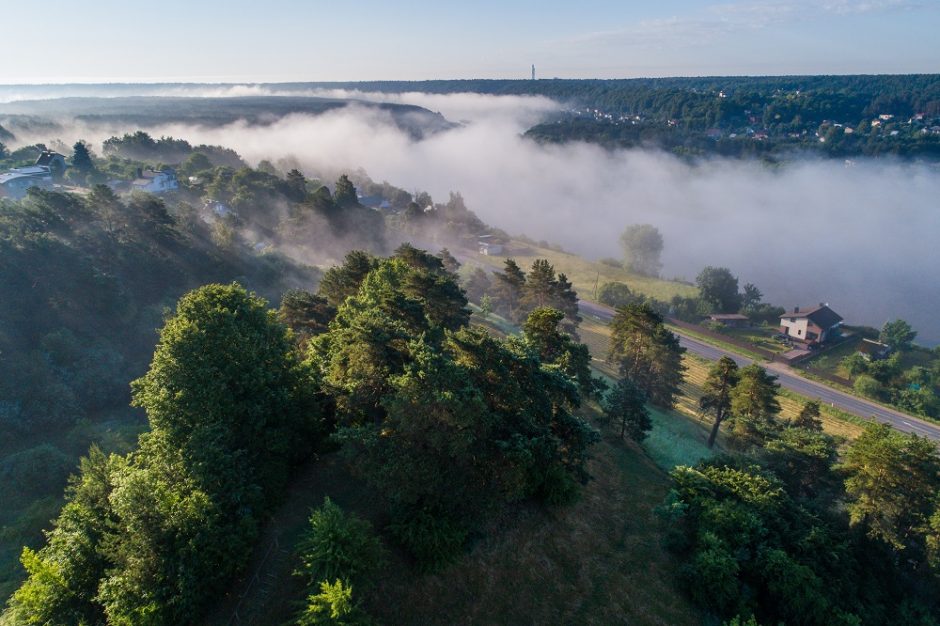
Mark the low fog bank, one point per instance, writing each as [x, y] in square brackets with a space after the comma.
[860, 236]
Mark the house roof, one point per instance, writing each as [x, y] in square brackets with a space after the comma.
[33, 171]
[821, 315]
[47, 156]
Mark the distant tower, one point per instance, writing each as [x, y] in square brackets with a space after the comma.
[533, 72]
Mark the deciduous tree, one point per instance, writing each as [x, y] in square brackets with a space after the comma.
[718, 287]
[898, 334]
[642, 247]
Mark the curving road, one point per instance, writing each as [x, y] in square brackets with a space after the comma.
[796, 383]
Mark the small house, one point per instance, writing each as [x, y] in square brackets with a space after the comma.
[731, 320]
[811, 325]
[490, 249]
[153, 181]
[376, 202]
[489, 245]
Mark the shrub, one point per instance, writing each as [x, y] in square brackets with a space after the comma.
[338, 546]
[433, 540]
[867, 386]
[333, 605]
[558, 486]
[617, 294]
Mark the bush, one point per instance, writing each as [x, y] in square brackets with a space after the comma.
[867, 386]
[617, 294]
[558, 486]
[610, 262]
[433, 540]
[338, 546]
[333, 605]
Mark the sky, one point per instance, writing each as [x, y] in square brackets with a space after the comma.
[308, 40]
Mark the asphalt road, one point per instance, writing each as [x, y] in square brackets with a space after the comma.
[796, 383]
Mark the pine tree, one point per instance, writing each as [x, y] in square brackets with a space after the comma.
[647, 353]
[809, 417]
[716, 393]
[626, 407]
[344, 195]
[509, 286]
[81, 158]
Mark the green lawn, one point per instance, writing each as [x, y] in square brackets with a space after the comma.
[760, 336]
[830, 361]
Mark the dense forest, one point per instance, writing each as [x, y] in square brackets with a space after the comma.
[836, 116]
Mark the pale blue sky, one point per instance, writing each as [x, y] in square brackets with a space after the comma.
[294, 40]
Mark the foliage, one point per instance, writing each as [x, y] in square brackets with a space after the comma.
[448, 422]
[892, 485]
[647, 353]
[478, 285]
[338, 546]
[719, 289]
[81, 158]
[344, 193]
[63, 575]
[617, 294]
[555, 348]
[754, 406]
[898, 334]
[151, 538]
[868, 386]
[717, 393]
[333, 605]
[751, 298]
[749, 549]
[642, 247]
[809, 417]
[305, 313]
[341, 281]
[626, 407]
[508, 290]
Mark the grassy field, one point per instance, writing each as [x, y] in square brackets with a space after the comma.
[760, 336]
[830, 361]
[586, 275]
